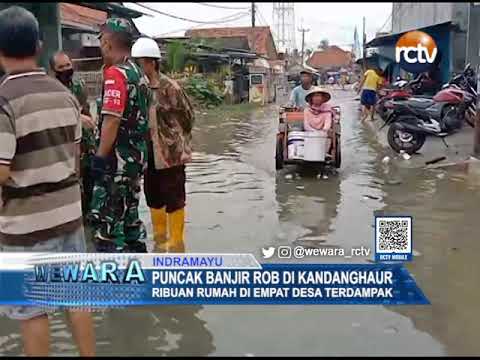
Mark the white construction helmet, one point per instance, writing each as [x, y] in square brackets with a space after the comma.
[146, 48]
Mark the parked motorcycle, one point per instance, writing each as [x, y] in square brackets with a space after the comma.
[400, 90]
[413, 119]
[465, 81]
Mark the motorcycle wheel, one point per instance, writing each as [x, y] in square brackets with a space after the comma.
[381, 111]
[399, 139]
[279, 155]
[470, 118]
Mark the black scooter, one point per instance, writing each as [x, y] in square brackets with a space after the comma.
[412, 120]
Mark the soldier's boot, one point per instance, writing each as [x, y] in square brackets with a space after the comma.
[159, 224]
[176, 228]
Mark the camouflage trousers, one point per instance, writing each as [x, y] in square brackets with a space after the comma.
[88, 149]
[114, 210]
[86, 184]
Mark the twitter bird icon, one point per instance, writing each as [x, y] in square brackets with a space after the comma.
[268, 253]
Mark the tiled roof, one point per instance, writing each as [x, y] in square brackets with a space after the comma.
[331, 57]
[81, 17]
[259, 37]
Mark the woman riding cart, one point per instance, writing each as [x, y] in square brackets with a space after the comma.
[311, 136]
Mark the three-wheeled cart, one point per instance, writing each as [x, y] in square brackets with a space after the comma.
[290, 145]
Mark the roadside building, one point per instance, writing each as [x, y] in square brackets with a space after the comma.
[262, 77]
[73, 28]
[446, 23]
[259, 38]
[332, 58]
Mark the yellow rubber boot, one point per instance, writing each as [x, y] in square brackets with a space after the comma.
[159, 224]
[176, 228]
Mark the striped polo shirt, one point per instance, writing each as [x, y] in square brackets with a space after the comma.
[39, 130]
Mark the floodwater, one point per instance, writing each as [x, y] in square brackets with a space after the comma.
[237, 202]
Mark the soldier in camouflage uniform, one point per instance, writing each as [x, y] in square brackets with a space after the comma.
[121, 157]
[62, 68]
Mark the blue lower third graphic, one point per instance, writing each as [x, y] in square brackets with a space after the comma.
[110, 285]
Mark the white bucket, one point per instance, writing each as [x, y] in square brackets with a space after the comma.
[295, 145]
[315, 145]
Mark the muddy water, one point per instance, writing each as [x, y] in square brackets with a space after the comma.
[237, 202]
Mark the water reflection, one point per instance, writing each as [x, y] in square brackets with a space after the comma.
[444, 206]
[160, 331]
[309, 202]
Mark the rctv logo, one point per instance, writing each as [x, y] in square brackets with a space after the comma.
[416, 51]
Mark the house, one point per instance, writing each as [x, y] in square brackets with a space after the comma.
[80, 26]
[332, 58]
[259, 38]
[49, 16]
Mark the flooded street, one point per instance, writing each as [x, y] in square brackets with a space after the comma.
[238, 203]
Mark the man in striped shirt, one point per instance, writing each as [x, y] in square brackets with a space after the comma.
[40, 132]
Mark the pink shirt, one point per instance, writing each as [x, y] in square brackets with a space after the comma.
[318, 118]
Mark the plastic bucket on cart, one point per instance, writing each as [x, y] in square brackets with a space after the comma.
[315, 145]
[295, 143]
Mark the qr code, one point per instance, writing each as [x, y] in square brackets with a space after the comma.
[393, 235]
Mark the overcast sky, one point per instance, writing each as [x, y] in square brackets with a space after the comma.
[334, 21]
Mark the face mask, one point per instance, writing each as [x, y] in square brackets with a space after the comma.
[64, 76]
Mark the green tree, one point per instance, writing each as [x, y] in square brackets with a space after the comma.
[176, 56]
[324, 44]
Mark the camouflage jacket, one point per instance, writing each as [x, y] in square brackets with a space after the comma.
[175, 119]
[130, 148]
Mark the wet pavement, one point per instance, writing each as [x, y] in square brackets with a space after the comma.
[237, 202]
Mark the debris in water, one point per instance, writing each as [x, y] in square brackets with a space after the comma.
[370, 197]
[454, 248]
[386, 160]
[394, 182]
[288, 177]
[416, 253]
[441, 175]
[217, 226]
[434, 161]
[406, 156]
[391, 330]
[325, 177]
[300, 187]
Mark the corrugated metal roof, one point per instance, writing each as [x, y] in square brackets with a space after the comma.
[258, 37]
[393, 37]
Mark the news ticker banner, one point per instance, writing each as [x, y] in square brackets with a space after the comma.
[120, 280]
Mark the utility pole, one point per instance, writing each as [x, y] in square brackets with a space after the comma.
[253, 14]
[303, 31]
[364, 48]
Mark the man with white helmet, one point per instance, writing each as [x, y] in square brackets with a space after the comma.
[171, 119]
